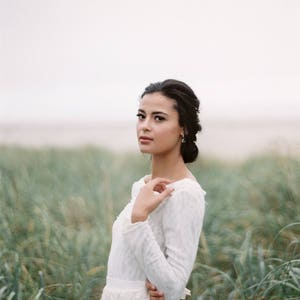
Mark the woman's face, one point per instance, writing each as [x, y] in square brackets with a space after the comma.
[158, 129]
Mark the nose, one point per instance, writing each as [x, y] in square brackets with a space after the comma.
[145, 125]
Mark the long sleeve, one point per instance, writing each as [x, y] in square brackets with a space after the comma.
[182, 221]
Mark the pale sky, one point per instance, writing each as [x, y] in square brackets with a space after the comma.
[75, 60]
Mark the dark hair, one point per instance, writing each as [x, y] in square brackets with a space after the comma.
[187, 106]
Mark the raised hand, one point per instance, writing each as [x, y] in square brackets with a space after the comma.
[147, 200]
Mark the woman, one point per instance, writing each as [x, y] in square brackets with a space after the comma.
[155, 237]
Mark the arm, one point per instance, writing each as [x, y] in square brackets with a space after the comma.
[182, 222]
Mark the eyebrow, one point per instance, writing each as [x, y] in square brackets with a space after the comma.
[154, 112]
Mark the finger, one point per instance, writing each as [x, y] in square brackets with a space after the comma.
[160, 187]
[158, 180]
[156, 294]
[150, 286]
[166, 193]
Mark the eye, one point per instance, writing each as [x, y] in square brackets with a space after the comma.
[159, 118]
[140, 116]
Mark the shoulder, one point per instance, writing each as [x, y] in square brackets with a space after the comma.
[186, 205]
[136, 186]
[187, 195]
[187, 187]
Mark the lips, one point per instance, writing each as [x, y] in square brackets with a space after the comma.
[145, 139]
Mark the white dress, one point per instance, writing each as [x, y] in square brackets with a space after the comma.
[161, 249]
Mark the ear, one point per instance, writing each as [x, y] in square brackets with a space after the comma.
[182, 132]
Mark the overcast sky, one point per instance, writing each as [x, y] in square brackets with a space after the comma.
[75, 60]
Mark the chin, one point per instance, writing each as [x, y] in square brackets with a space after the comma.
[144, 149]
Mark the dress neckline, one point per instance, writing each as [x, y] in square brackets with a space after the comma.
[173, 182]
[141, 182]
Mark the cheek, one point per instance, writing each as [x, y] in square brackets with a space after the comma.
[170, 133]
[137, 127]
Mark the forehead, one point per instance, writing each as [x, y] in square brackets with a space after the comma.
[157, 102]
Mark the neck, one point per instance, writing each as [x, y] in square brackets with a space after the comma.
[169, 166]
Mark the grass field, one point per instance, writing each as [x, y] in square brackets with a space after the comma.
[57, 208]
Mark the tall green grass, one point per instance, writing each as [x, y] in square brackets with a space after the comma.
[57, 208]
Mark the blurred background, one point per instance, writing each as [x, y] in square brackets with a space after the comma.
[71, 72]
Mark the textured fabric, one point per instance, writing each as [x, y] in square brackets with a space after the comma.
[163, 248]
[110, 293]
